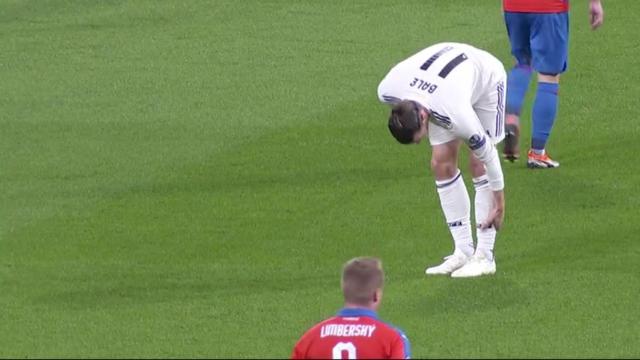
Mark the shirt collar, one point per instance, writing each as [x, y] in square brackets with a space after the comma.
[357, 312]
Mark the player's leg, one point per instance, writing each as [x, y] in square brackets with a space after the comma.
[518, 30]
[549, 46]
[482, 262]
[482, 206]
[455, 203]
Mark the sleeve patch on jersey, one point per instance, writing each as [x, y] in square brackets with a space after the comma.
[477, 141]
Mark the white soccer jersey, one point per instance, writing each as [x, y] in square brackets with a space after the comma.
[462, 87]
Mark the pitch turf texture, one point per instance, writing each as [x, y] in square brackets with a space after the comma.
[186, 178]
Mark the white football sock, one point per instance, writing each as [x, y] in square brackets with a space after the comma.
[456, 206]
[483, 205]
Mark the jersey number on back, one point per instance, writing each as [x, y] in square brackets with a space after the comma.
[347, 347]
[450, 65]
[431, 87]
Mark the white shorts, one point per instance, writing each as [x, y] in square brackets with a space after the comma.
[489, 109]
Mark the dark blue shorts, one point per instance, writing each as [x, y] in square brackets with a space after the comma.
[539, 40]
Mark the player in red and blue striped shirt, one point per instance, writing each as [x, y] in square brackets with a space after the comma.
[356, 332]
[539, 36]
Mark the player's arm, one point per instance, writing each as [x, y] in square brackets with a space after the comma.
[468, 128]
[488, 154]
[299, 351]
[296, 354]
[496, 217]
[400, 348]
[596, 13]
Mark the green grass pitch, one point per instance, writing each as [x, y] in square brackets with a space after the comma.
[185, 179]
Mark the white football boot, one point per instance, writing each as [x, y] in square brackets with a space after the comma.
[451, 263]
[477, 265]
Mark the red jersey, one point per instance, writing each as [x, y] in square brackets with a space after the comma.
[536, 6]
[352, 334]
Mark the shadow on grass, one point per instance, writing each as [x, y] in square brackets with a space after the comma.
[467, 296]
[116, 290]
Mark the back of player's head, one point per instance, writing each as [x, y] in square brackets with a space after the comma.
[404, 121]
[362, 277]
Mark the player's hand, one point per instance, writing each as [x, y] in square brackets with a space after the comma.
[596, 14]
[496, 216]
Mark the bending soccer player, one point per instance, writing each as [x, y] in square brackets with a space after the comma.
[453, 94]
[356, 332]
[539, 35]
